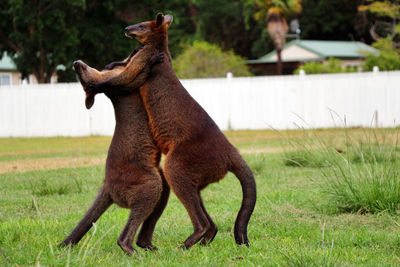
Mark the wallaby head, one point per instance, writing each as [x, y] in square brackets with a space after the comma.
[87, 75]
[150, 31]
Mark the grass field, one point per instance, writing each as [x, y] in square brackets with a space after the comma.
[46, 185]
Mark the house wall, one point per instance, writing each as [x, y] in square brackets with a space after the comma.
[33, 80]
[16, 78]
[279, 102]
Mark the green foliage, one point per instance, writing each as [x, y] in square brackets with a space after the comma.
[387, 59]
[228, 24]
[203, 60]
[333, 20]
[47, 33]
[333, 65]
[41, 35]
[384, 8]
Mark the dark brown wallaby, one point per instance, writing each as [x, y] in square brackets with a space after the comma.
[133, 179]
[197, 152]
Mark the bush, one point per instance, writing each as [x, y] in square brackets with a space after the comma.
[387, 59]
[333, 65]
[205, 60]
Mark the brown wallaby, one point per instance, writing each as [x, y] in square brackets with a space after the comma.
[197, 152]
[133, 179]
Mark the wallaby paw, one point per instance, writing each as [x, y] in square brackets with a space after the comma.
[150, 246]
[184, 246]
[160, 56]
[157, 57]
[109, 66]
[128, 249]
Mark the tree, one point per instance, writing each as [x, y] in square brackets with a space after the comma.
[230, 25]
[334, 20]
[42, 34]
[205, 60]
[386, 17]
[39, 35]
[275, 13]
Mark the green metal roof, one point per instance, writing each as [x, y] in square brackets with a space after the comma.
[322, 50]
[6, 63]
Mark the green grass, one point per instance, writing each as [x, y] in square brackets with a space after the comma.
[291, 225]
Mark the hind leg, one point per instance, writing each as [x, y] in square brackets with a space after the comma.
[99, 206]
[211, 233]
[192, 202]
[184, 188]
[145, 236]
[142, 200]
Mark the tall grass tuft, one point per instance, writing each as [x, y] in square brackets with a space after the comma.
[362, 173]
[44, 188]
[300, 257]
[305, 158]
[367, 178]
[257, 163]
[363, 186]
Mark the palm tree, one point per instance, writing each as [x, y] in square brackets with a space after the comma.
[275, 13]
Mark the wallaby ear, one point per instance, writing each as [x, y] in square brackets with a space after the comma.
[168, 20]
[89, 101]
[159, 19]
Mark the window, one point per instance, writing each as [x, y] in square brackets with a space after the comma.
[5, 79]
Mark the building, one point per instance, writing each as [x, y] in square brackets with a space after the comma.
[8, 72]
[298, 52]
[9, 75]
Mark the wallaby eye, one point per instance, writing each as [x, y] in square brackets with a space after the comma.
[140, 27]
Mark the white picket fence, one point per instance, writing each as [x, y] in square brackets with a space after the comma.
[281, 102]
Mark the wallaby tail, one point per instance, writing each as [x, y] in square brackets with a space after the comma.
[246, 178]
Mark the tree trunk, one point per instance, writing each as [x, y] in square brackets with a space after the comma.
[277, 28]
[41, 77]
[279, 62]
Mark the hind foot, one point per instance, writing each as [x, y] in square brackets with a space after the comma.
[209, 236]
[146, 246]
[128, 249]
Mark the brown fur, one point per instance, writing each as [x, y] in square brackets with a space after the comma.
[197, 152]
[133, 179]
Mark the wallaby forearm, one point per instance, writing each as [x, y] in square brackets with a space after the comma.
[114, 64]
[133, 77]
[127, 76]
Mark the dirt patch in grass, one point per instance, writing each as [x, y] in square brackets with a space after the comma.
[49, 164]
[54, 163]
[46, 151]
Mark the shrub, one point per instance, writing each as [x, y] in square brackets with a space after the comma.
[387, 59]
[333, 65]
[205, 60]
